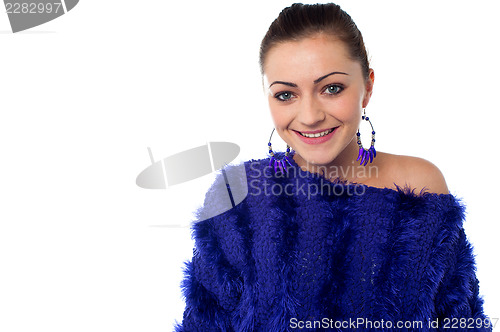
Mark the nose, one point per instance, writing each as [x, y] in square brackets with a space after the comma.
[310, 111]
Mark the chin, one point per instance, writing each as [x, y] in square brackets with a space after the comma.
[317, 159]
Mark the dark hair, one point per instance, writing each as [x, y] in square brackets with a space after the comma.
[299, 21]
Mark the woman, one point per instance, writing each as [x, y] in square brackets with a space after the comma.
[332, 234]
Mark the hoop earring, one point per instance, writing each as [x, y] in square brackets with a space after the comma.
[366, 154]
[279, 164]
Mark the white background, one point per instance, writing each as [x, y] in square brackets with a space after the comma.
[82, 248]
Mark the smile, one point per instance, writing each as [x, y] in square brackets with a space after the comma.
[317, 137]
[320, 134]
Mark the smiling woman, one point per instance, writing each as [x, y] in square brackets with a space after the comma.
[325, 93]
[319, 240]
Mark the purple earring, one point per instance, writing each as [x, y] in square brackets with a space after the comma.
[366, 154]
[279, 164]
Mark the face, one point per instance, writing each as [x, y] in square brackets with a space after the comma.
[316, 94]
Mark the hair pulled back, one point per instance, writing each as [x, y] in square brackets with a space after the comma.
[300, 21]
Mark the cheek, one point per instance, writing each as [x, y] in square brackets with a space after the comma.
[347, 111]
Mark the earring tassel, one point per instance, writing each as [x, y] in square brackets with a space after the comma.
[360, 154]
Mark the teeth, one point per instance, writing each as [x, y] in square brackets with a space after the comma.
[326, 132]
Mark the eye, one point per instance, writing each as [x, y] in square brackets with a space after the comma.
[283, 96]
[334, 89]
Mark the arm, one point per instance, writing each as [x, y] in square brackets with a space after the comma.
[458, 301]
[212, 284]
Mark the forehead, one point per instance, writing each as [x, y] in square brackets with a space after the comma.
[309, 57]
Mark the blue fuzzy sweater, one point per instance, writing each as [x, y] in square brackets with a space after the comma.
[301, 253]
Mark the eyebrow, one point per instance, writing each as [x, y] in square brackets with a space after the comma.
[315, 81]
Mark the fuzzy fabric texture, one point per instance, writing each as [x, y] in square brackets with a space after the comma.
[301, 253]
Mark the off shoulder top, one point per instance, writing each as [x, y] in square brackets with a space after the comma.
[296, 252]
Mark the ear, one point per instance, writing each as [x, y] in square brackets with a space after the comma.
[369, 87]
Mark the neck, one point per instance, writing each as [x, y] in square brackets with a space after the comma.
[344, 166]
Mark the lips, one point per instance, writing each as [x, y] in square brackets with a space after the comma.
[316, 137]
[316, 134]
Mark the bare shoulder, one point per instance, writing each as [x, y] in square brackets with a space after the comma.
[415, 172]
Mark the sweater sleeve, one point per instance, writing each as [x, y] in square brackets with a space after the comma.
[212, 283]
[458, 304]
